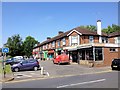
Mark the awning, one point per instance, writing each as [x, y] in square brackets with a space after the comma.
[51, 51]
[41, 52]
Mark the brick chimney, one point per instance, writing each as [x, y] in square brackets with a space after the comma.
[48, 38]
[60, 32]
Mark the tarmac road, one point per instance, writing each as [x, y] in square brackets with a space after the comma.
[98, 80]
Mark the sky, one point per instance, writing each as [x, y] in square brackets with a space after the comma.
[44, 19]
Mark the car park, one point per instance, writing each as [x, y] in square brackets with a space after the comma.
[115, 64]
[26, 65]
[60, 59]
[13, 61]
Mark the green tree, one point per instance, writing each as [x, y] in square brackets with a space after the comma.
[28, 45]
[14, 44]
[90, 27]
[111, 29]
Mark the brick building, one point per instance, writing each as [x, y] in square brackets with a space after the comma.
[83, 46]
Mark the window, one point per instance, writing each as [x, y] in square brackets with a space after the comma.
[113, 49]
[104, 40]
[98, 54]
[53, 44]
[58, 43]
[117, 39]
[64, 41]
[91, 40]
[74, 40]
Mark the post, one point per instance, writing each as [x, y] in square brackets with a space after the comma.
[42, 71]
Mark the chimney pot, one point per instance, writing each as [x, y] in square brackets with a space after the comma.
[48, 38]
[60, 32]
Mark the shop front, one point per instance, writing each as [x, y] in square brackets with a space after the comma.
[90, 55]
[45, 55]
[51, 54]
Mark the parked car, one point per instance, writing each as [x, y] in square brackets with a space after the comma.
[63, 58]
[115, 64]
[12, 61]
[26, 65]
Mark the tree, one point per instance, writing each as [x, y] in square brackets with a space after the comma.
[14, 44]
[28, 45]
[90, 27]
[111, 29]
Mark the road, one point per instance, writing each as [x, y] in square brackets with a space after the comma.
[98, 80]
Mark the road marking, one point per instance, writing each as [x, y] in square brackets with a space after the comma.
[41, 78]
[100, 80]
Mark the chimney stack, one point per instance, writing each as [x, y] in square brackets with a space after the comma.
[60, 32]
[48, 38]
[99, 30]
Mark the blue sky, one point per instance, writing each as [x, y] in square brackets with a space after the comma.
[41, 20]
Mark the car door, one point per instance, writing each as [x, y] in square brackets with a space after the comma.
[24, 65]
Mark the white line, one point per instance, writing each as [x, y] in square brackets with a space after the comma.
[81, 83]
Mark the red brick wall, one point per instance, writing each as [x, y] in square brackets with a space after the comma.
[67, 41]
[111, 40]
[109, 56]
[96, 39]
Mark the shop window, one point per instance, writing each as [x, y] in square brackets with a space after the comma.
[113, 49]
[91, 39]
[74, 40]
[98, 54]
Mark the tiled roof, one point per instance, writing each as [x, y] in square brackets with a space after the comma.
[88, 32]
[117, 33]
[81, 30]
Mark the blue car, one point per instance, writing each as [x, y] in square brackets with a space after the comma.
[26, 65]
[12, 61]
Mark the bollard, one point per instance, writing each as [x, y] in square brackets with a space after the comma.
[42, 71]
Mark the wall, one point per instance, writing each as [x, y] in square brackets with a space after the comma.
[111, 40]
[109, 56]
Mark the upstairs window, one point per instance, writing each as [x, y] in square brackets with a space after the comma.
[58, 43]
[117, 40]
[91, 39]
[74, 40]
[53, 44]
[104, 40]
[64, 41]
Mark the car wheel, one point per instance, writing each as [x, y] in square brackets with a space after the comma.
[16, 69]
[35, 68]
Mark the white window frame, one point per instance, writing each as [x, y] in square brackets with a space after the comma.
[63, 41]
[91, 39]
[73, 43]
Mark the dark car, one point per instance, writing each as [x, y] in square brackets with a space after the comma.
[115, 64]
[13, 61]
[26, 65]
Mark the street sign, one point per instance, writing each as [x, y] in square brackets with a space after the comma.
[5, 50]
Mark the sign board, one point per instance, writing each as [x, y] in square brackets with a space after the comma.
[5, 50]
